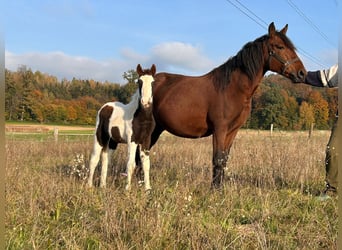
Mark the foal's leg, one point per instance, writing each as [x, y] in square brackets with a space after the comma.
[94, 160]
[145, 158]
[104, 167]
[132, 147]
[138, 168]
[154, 138]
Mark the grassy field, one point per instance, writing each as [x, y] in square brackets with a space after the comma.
[268, 200]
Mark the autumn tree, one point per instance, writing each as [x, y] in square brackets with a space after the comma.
[320, 109]
[306, 116]
[39, 97]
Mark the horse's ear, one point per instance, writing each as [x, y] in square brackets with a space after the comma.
[271, 29]
[153, 69]
[139, 70]
[284, 30]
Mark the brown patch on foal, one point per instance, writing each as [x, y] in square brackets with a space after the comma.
[143, 125]
[102, 130]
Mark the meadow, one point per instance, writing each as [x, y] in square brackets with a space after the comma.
[268, 200]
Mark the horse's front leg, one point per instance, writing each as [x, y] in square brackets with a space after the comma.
[132, 147]
[220, 158]
[145, 158]
[138, 171]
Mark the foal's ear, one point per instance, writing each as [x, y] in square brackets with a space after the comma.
[271, 30]
[139, 70]
[153, 69]
[284, 30]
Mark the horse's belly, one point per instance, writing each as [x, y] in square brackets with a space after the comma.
[188, 126]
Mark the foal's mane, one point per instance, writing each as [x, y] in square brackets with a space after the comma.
[249, 60]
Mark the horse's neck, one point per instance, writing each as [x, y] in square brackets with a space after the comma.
[134, 103]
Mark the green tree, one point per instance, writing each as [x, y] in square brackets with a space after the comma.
[11, 97]
[130, 76]
[272, 109]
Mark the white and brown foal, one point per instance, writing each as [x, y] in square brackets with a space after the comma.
[132, 123]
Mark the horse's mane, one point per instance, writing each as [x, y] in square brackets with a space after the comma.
[249, 60]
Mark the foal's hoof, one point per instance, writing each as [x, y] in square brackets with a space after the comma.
[216, 186]
[148, 196]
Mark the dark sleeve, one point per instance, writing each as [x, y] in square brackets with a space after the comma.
[313, 78]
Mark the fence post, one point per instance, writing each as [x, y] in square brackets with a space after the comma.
[55, 134]
[311, 129]
[271, 130]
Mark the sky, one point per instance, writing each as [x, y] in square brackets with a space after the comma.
[100, 40]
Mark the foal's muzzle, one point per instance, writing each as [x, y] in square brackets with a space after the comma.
[147, 103]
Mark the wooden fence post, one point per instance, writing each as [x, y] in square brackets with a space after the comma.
[271, 130]
[311, 129]
[55, 134]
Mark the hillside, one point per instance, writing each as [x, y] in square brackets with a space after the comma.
[38, 97]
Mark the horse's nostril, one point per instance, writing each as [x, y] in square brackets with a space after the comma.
[301, 74]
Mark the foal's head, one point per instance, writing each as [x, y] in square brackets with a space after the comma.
[145, 81]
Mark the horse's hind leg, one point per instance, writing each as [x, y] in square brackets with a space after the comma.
[94, 160]
[104, 169]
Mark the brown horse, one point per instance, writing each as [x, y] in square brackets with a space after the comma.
[219, 102]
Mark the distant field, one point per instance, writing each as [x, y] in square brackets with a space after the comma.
[15, 127]
[268, 200]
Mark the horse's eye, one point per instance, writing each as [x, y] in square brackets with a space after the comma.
[280, 47]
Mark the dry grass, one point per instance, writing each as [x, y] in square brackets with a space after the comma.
[268, 200]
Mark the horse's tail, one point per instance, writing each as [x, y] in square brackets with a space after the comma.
[102, 132]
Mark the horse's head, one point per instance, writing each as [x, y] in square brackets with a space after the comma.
[145, 81]
[282, 57]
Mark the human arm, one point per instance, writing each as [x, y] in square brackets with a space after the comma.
[323, 78]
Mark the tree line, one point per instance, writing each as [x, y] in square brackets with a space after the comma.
[39, 97]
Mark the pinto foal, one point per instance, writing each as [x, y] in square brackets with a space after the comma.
[132, 123]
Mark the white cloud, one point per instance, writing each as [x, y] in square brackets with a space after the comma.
[174, 57]
[181, 56]
[66, 66]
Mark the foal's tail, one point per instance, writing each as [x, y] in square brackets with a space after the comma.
[102, 125]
